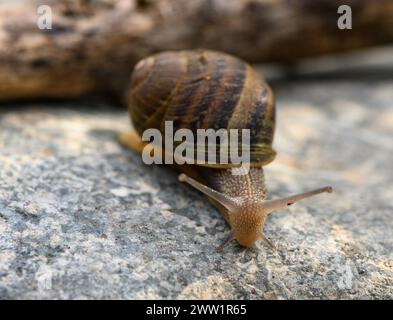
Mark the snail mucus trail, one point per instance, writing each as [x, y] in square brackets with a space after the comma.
[204, 89]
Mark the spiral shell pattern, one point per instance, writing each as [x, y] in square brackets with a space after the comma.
[203, 89]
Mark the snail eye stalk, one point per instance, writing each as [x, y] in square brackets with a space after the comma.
[228, 202]
[269, 206]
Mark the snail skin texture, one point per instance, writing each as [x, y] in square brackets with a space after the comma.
[204, 89]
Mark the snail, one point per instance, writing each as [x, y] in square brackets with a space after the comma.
[200, 89]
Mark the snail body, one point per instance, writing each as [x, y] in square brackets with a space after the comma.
[204, 89]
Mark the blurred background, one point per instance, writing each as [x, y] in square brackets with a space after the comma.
[81, 217]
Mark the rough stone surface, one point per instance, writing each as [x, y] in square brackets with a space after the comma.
[81, 217]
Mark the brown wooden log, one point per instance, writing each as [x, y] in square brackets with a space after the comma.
[94, 44]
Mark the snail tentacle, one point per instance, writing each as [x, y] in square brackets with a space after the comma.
[268, 206]
[229, 237]
[227, 202]
[268, 243]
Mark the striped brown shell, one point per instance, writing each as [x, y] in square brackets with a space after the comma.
[204, 89]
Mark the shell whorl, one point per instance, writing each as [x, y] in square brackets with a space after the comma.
[204, 89]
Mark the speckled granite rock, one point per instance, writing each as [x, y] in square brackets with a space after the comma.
[81, 217]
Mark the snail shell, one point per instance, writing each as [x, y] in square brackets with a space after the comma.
[204, 90]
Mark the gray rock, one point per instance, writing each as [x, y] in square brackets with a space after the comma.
[81, 217]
